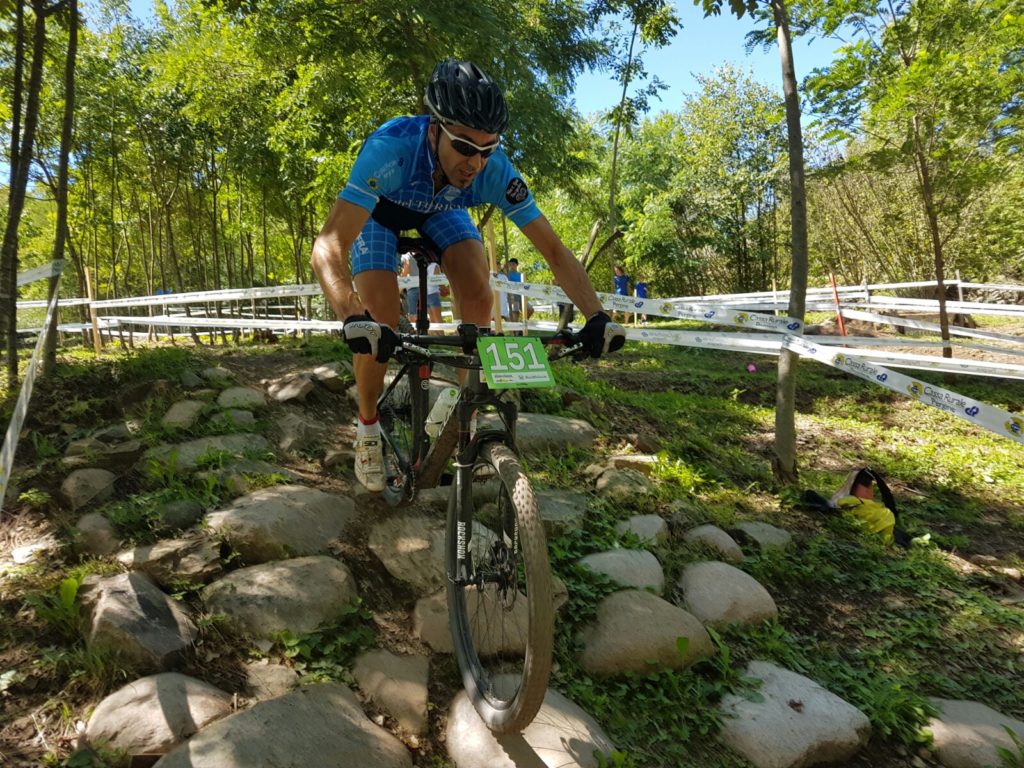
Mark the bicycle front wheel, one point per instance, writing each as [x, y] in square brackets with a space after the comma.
[401, 407]
[500, 607]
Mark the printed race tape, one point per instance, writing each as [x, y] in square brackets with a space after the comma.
[21, 407]
[983, 415]
[717, 314]
[924, 325]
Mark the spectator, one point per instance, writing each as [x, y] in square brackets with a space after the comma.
[640, 291]
[516, 301]
[621, 285]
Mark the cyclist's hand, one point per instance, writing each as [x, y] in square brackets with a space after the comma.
[365, 336]
[601, 334]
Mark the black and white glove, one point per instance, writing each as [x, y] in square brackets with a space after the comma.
[601, 335]
[365, 336]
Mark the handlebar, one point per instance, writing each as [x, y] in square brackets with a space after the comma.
[465, 338]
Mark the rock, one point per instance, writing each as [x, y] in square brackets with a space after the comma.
[798, 723]
[430, 624]
[635, 568]
[246, 398]
[154, 714]
[179, 514]
[116, 433]
[268, 681]
[623, 485]
[650, 529]
[128, 614]
[713, 537]
[183, 414]
[338, 457]
[645, 441]
[85, 447]
[967, 734]
[119, 458]
[411, 547]
[298, 433]
[397, 684]
[762, 535]
[234, 419]
[96, 536]
[317, 726]
[638, 632]
[140, 391]
[88, 486]
[195, 560]
[216, 374]
[561, 511]
[333, 376]
[298, 595]
[561, 736]
[190, 380]
[640, 463]
[295, 386]
[185, 456]
[538, 433]
[282, 521]
[718, 593]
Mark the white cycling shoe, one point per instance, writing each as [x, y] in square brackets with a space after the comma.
[370, 462]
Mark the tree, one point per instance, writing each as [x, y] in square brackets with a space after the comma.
[61, 235]
[932, 84]
[784, 463]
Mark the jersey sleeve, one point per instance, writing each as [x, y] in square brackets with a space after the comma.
[375, 172]
[508, 190]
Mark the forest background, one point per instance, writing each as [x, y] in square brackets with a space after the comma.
[210, 141]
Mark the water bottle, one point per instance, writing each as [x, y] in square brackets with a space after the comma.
[439, 413]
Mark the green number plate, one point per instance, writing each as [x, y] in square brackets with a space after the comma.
[514, 361]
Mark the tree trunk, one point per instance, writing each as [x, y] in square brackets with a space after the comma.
[50, 345]
[928, 197]
[9, 252]
[784, 463]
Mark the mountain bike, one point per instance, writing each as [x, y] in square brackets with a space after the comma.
[500, 602]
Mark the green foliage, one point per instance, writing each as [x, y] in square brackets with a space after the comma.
[35, 498]
[327, 653]
[1011, 758]
[60, 609]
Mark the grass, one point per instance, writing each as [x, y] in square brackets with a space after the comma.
[883, 628]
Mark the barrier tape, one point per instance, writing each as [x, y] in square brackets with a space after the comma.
[981, 414]
[10, 445]
[959, 307]
[924, 325]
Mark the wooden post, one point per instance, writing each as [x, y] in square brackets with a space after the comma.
[96, 345]
[959, 287]
[835, 296]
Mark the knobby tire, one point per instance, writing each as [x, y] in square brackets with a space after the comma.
[507, 688]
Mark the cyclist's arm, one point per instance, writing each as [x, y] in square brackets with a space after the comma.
[330, 257]
[568, 272]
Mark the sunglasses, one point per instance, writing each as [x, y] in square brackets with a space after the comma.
[468, 148]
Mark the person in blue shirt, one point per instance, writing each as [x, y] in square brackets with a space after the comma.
[621, 280]
[640, 291]
[422, 173]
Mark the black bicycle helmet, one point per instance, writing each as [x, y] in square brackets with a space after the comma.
[459, 92]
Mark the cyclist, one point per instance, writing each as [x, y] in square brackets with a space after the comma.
[422, 173]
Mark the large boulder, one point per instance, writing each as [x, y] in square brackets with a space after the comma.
[635, 568]
[185, 456]
[282, 521]
[397, 684]
[794, 723]
[636, 631]
[538, 433]
[85, 487]
[95, 535]
[183, 414]
[152, 715]
[430, 624]
[968, 734]
[245, 398]
[318, 726]
[129, 615]
[298, 595]
[195, 560]
[718, 594]
[713, 537]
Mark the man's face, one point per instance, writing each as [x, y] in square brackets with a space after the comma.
[458, 167]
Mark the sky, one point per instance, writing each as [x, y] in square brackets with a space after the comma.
[701, 45]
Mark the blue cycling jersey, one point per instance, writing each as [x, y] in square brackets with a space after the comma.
[396, 162]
